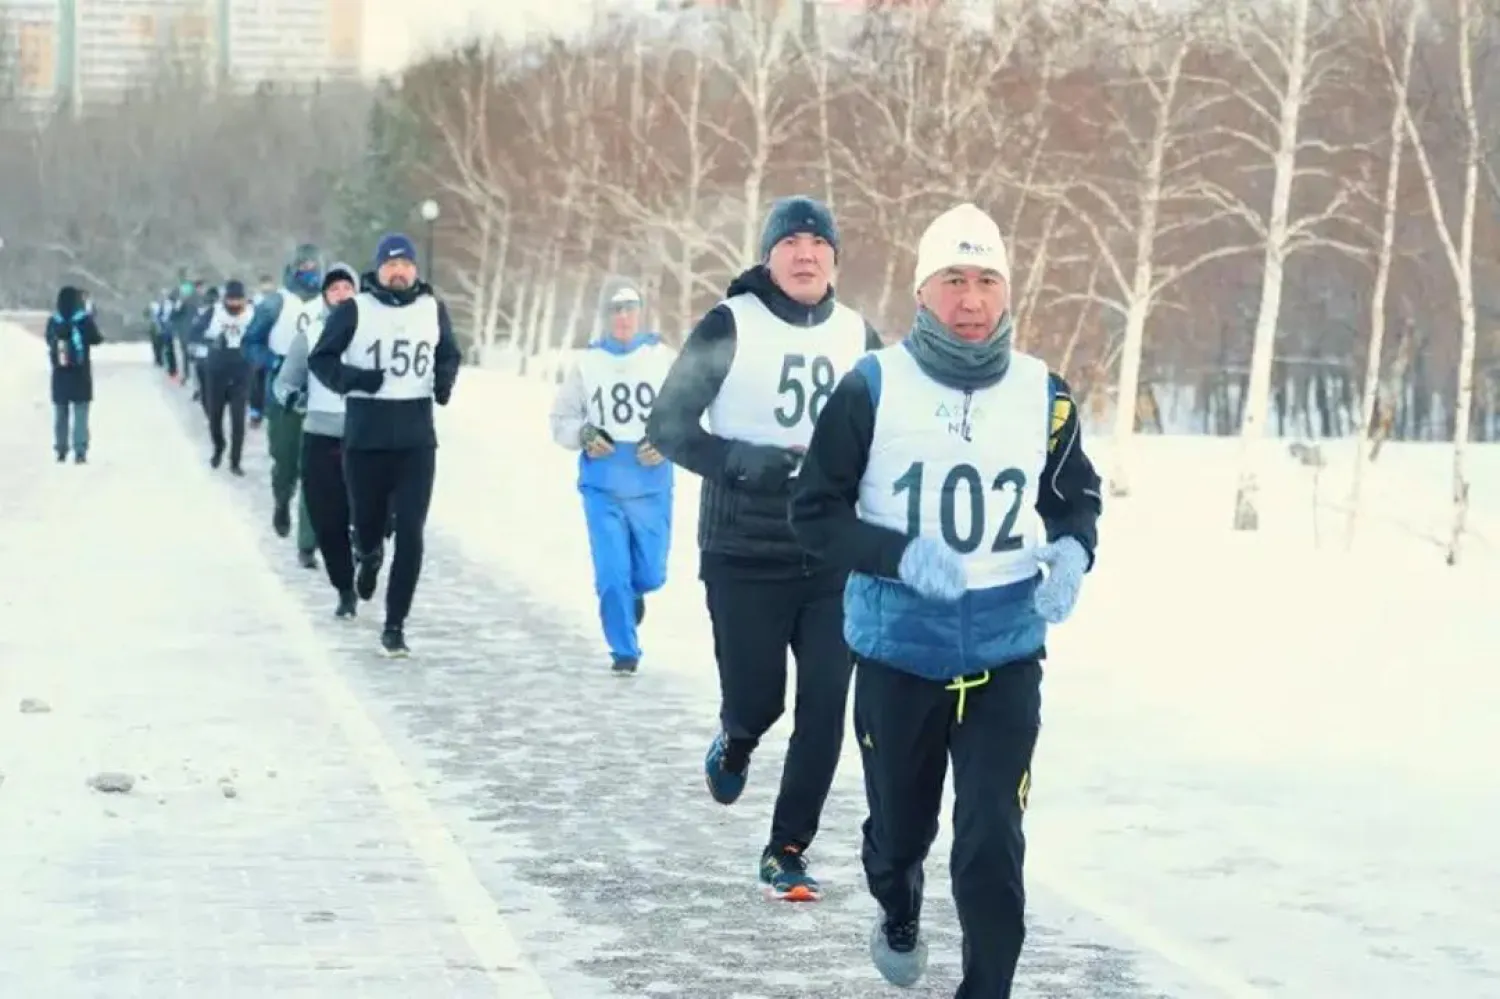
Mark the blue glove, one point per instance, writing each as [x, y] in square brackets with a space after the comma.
[1057, 594]
[934, 570]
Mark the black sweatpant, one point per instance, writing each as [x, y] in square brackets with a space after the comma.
[907, 729]
[327, 498]
[396, 485]
[755, 621]
[225, 389]
[258, 390]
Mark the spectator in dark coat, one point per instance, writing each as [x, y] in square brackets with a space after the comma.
[71, 337]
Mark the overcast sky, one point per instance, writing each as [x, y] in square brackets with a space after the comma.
[398, 30]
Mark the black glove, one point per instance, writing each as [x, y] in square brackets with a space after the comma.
[761, 467]
[369, 380]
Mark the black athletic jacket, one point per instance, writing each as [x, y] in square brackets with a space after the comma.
[740, 533]
[383, 424]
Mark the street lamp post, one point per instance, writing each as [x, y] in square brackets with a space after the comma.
[430, 212]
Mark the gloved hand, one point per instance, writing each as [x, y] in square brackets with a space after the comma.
[297, 401]
[934, 570]
[369, 380]
[1057, 594]
[761, 467]
[647, 454]
[596, 443]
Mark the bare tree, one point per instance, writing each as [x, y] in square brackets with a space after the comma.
[1396, 45]
[1285, 51]
[1157, 156]
[1463, 24]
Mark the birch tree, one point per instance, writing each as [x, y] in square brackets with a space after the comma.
[1288, 50]
[1157, 114]
[1455, 230]
[1396, 45]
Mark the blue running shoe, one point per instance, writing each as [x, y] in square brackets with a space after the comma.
[725, 769]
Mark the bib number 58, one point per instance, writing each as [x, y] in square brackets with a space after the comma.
[406, 357]
[796, 371]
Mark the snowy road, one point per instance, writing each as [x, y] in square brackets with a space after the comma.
[501, 788]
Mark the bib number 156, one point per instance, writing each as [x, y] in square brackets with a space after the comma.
[405, 357]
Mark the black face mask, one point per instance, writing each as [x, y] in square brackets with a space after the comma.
[234, 308]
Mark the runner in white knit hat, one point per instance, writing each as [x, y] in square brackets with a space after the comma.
[944, 472]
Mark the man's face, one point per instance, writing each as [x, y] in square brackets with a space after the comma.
[625, 321]
[234, 306]
[967, 300]
[338, 291]
[397, 274]
[802, 266]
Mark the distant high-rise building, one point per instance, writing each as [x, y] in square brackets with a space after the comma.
[95, 51]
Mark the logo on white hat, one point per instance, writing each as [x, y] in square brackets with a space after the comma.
[975, 249]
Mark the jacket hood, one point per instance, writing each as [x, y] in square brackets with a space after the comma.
[69, 301]
[757, 281]
[337, 271]
[308, 288]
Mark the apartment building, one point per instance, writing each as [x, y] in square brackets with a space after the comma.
[94, 51]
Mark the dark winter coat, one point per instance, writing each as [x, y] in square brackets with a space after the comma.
[71, 337]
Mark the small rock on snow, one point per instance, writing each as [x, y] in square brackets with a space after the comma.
[112, 782]
[34, 706]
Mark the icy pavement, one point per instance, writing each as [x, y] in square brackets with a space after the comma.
[271, 845]
[1183, 848]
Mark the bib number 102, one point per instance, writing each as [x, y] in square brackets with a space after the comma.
[965, 478]
[406, 357]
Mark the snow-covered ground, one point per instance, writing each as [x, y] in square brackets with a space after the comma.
[1267, 757]
[1268, 762]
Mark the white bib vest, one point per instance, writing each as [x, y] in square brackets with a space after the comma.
[296, 317]
[402, 341]
[961, 468]
[782, 373]
[321, 398]
[225, 330]
[622, 388]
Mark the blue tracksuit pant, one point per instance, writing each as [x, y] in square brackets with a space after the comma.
[630, 538]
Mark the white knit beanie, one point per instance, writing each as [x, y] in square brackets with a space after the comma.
[963, 236]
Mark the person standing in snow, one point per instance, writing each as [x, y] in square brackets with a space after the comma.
[947, 472]
[281, 315]
[323, 486]
[71, 337]
[601, 410]
[761, 365]
[390, 350]
[225, 371]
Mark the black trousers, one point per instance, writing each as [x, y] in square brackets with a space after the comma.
[908, 728]
[327, 499]
[258, 389]
[394, 485]
[755, 621]
[225, 390]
